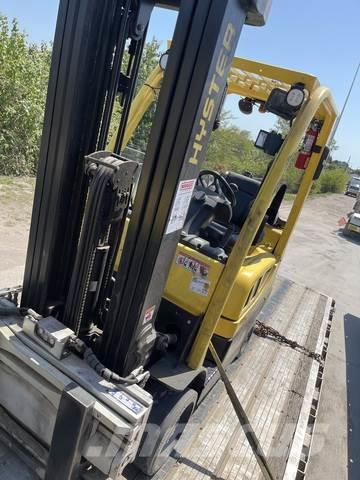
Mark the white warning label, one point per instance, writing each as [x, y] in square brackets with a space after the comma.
[149, 313]
[181, 205]
[122, 398]
[200, 286]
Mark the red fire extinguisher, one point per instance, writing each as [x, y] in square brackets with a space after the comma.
[307, 147]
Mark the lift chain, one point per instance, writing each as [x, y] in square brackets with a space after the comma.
[265, 331]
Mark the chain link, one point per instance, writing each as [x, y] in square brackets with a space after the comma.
[265, 331]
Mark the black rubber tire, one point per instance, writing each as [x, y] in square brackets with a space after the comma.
[169, 416]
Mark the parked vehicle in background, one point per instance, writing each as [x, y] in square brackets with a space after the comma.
[353, 224]
[353, 187]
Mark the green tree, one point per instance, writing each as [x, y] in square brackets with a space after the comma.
[231, 148]
[282, 126]
[24, 70]
[150, 58]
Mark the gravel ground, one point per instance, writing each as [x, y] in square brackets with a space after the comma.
[319, 257]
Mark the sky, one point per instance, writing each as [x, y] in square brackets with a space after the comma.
[320, 37]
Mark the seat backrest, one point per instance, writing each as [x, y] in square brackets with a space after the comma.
[247, 189]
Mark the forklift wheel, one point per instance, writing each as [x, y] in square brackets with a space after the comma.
[167, 421]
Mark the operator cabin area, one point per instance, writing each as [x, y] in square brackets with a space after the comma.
[220, 207]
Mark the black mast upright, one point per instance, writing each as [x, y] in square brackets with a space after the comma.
[88, 49]
[203, 47]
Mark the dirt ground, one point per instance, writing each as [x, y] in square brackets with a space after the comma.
[319, 257]
[16, 196]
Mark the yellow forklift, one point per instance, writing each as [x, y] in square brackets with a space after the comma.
[207, 240]
[106, 357]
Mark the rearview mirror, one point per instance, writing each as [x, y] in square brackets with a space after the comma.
[269, 142]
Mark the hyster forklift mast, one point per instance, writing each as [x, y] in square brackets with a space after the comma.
[89, 43]
[85, 75]
[197, 71]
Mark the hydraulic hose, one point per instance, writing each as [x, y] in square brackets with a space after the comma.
[110, 376]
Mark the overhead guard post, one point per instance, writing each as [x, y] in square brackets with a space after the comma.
[251, 226]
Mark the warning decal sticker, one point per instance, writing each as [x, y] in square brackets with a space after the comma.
[192, 264]
[200, 286]
[181, 205]
[149, 313]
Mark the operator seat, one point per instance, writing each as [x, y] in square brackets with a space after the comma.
[211, 228]
[273, 210]
[205, 209]
[220, 233]
[247, 189]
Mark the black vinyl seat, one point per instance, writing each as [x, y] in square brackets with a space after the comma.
[273, 210]
[247, 189]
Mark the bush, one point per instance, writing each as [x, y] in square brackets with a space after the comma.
[231, 148]
[24, 70]
[333, 180]
[292, 177]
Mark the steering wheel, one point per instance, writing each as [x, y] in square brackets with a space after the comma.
[215, 182]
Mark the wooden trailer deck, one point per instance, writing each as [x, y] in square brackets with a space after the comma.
[279, 388]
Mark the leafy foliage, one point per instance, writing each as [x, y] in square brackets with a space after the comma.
[24, 70]
[233, 149]
[150, 58]
[23, 83]
[333, 180]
